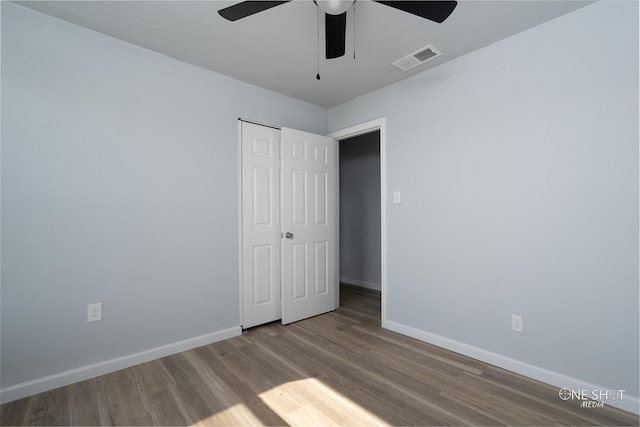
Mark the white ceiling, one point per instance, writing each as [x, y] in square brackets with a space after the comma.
[277, 49]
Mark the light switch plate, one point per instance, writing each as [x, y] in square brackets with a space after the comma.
[396, 197]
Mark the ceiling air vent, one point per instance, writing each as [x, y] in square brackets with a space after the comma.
[416, 58]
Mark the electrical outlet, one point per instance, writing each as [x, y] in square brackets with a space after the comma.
[516, 323]
[94, 312]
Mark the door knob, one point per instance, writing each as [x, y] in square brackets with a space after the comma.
[288, 235]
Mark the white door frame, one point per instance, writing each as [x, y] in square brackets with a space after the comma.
[371, 126]
[240, 234]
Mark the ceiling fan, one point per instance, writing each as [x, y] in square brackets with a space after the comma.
[336, 15]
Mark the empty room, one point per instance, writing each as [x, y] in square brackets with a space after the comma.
[319, 213]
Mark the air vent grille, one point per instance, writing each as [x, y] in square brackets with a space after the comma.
[416, 58]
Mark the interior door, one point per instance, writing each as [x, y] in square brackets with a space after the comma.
[260, 196]
[309, 199]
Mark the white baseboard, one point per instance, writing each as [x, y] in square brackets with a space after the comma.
[361, 283]
[628, 403]
[61, 379]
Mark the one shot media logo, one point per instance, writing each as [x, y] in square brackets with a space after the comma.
[590, 398]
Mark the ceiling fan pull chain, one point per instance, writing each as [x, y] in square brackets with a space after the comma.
[354, 30]
[318, 38]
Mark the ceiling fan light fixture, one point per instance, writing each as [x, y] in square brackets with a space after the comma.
[334, 7]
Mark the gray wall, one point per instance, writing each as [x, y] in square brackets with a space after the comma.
[360, 210]
[518, 166]
[118, 185]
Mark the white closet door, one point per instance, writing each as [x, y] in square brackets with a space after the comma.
[310, 224]
[260, 282]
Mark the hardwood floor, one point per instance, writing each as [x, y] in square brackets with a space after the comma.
[340, 368]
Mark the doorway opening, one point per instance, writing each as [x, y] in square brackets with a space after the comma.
[376, 127]
[360, 224]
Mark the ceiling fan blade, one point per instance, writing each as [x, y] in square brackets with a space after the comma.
[335, 27]
[436, 11]
[247, 8]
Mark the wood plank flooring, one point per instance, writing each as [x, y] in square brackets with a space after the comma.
[340, 368]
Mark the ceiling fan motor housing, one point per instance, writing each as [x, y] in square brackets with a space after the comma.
[335, 7]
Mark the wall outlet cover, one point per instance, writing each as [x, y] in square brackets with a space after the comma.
[516, 323]
[94, 312]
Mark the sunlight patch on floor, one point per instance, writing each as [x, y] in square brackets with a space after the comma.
[236, 415]
[311, 402]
